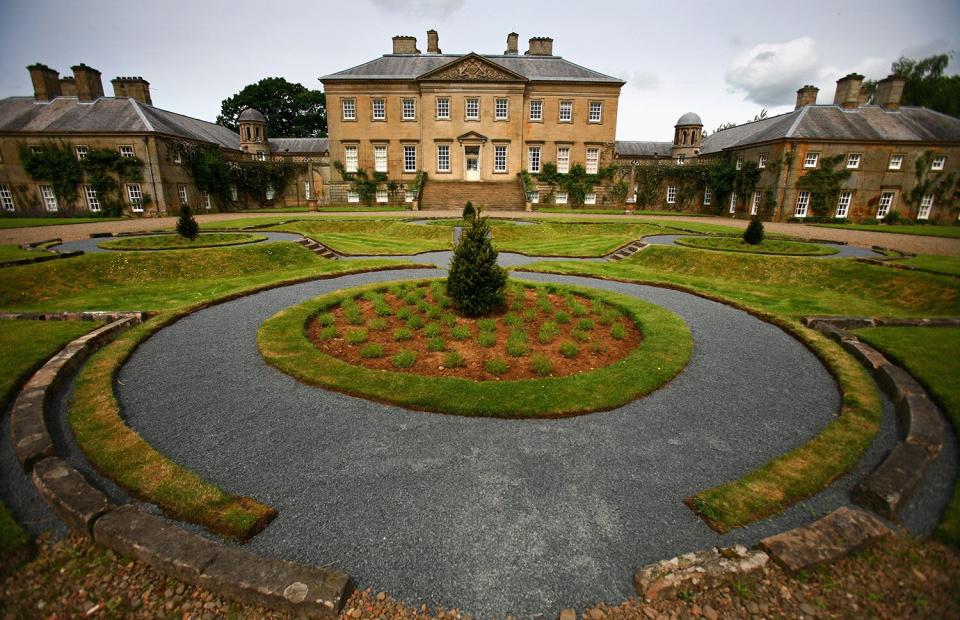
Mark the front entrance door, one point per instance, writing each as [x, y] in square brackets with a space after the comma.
[471, 158]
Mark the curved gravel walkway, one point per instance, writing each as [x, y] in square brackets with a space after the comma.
[92, 245]
[843, 251]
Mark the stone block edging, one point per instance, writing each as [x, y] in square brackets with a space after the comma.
[888, 488]
[298, 589]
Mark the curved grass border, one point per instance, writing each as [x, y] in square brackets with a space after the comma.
[807, 469]
[661, 355]
[801, 248]
[122, 244]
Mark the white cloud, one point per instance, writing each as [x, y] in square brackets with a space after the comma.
[440, 9]
[642, 79]
[770, 73]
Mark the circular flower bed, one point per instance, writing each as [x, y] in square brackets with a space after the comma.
[553, 351]
[769, 246]
[176, 242]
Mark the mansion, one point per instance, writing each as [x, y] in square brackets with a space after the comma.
[515, 130]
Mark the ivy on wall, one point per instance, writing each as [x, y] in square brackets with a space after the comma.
[577, 182]
[212, 173]
[939, 184]
[366, 186]
[55, 163]
[824, 184]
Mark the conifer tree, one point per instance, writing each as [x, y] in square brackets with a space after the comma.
[753, 235]
[476, 283]
[468, 211]
[186, 225]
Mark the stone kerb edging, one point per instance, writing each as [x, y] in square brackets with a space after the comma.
[304, 591]
[888, 488]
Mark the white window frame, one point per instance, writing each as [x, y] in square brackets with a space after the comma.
[501, 109]
[81, 151]
[182, 193]
[6, 199]
[348, 109]
[533, 159]
[926, 206]
[595, 113]
[762, 161]
[501, 154]
[590, 198]
[536, 110]
[733, 202]
[803, 203]
[380, 161]
[896, 162]
[472, 109]
[533, 197]
[93, 201]
[593, 159]
[755, 205]
[261, 156]
[811, 160]
[135, 197]
[853, 161]
[378, 109]
[843, 205]
[563, 159]
[382, 196]
[207, 203]
[353, 196]
[409, 196]
[443, 158]
[671, 194]
[938, 162]
[306, 190]
[49, 198]
[707, 196]
[739, 163]
[350, 158]
[409, 157]
[233, 193]
[565, 106]
[886, 204]
[681, 160]
[443, 108]
[560, 198]
[177, 157]
[269, 193]
[126, 150]
[409, 109]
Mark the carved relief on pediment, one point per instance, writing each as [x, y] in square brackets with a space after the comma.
[473, 69]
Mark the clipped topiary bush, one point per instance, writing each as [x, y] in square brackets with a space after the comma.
[753, 235]
[187, 227]
[476, 283]
[468, 211]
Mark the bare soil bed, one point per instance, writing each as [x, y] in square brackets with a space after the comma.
[414, 329]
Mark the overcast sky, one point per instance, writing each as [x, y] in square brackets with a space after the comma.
[723, 60]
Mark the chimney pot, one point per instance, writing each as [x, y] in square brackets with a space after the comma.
[405, 45]
[46, 82]
[890, 92]
[433, 42]
[806, 95]
[848, 91]
[512, 40]
[540, 46]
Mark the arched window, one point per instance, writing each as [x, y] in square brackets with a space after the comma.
[257, 133]
[248, 132]
[684, 136]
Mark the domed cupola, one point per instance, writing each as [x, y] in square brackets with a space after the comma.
[686, 136]
[253, 133]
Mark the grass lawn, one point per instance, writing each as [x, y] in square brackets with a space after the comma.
[13, 252]
[769, 246]
[952, 231]
[549, 238]
[24, 347]
[931, 355]
[22, 222]
[931, 262]
[697, 227]
[373, 237]
[352, 208]
[176, 242]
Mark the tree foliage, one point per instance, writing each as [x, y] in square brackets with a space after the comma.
[754, 232]
[468, 211]
[476, 282]
[292, 110]
[217, 176]
[926, 84]
[187, 226]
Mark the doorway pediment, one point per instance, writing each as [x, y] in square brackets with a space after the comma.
[471, 137]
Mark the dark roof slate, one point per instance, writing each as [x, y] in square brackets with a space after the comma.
[299, 145]
[632, 148]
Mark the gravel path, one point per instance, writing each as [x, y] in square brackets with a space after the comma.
[92, 245]
[843, 251]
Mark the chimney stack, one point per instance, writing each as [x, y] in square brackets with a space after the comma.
[512, 40]
[848, 91]
[133, 87]
[433, 42]
[68, 87]
[806, 95]
[890, 92]
[89, 84]
[405, 45]
[540, 46]
[46, 82]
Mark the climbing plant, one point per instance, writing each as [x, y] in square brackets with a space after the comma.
[824, 183]
[577, 182]
[212, 173]
[55, 163]
[938, 184]
[105, 171]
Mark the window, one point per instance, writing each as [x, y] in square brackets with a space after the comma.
[843, 205]
[803, 200]
[926, 205]
[762, 161]
[533, 197]
[681, 160]
[810, 161]
[409, 158]
[209, 205]
[136, 197]
[443, 107]
[533, 159]
[886, 203]
[590, 198]
[233, 193]
[409, 196]
[499, 158]
[566, 111]
[409, 109]
[707, 196]
[443, 158]
[49, 197]
[501, 109]
[593, 160]
[306, 190]
[896, 162]
[536, 110]
[126, 150]
[563, 159]
[853, 161]
[382, 196]
[755, 205]
[739, 164]
[938, 162]
[473, 109]
[182, 192]
[671, 194]
[733, 202]
[350, 158]
[380, 158]
[269, 193]
[6, 198]
[353, 196]
[261, 156]
[177, 157]
[349, 107]
[560, 198]
[256, 134]
[596, 111]
[93, 202]
[81, 151]
[379, 107]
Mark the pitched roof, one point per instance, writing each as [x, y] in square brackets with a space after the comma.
[109, 115]
[830, 122]
[412, 66]
[632, 148]
[299, 145]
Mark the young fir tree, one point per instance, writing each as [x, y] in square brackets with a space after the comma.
[186, 225]
[468, 211]
[476, 283]
[754, 232]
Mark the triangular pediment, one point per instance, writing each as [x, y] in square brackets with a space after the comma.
[472, 136]
[474, 68]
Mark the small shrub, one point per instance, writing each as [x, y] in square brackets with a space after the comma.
[356, 336]
[449, 319]
[422, 306]
[517, 344]
[434, 312]
[569, 350]
[577, 309]
[608, 316]
[353, 315]
[580, 336]
[753, 235]
[545, 306]
[398, 290]
[436, 344]
[529, 315]
[378, 325]
[373, 297]
[541, 365]
[597, 348]
[562, 317]
[496, 366]
[402, 333]
[404, 314]
[618, 331]
[415, 322]
[432, 330]
[328, 333]
[585, 325]
[371, 351]
[325, 319]
[486, 339]
[453, 359]
[383, 309]
[411, 298]
[487, 325]
[512, 320]
[405, 359]
[187, 227]
[460, 332]
[548, 332]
